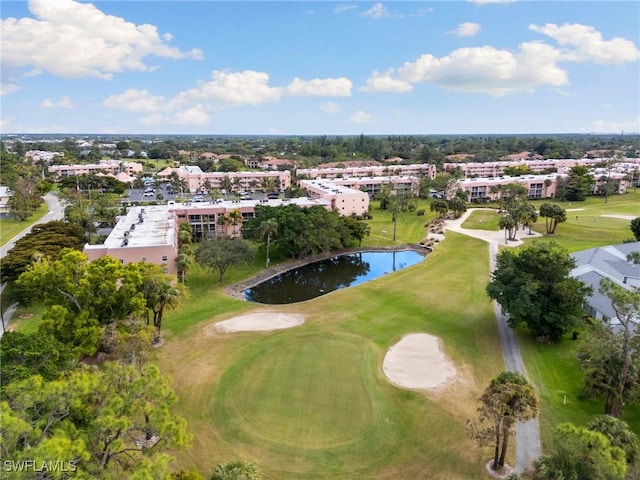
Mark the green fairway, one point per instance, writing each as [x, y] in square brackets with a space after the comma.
[301, 389]
[312, 402]
[485, 219]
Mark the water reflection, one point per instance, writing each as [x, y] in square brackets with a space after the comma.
[316, 279]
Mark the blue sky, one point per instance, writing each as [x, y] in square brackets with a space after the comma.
[314, 68]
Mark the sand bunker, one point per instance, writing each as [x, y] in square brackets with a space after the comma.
[260, 321]
[416, 362]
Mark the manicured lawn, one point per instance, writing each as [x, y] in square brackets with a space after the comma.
[312, 402]
[486, 219]
[9, 227]
[286, 399]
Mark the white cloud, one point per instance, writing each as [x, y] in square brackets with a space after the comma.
[583, 43]
[377, 11]
[134, 100]
[225, 90]
[72, 39]
[195, 115]
[326, 87]
[604, 126]
[7, 87]
[344, 8]
[487, 69]
[467, 29]
[360, 117]
[330, 107]
[64, 102]
[386, 83]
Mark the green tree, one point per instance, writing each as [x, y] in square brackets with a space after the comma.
[83, 297]
[553, 215]
[221, 253]
[441, 207]
[112, 423]
[234, 218]
[267, 229]
[508, 398]
[358, 229]
[610, 359]
[236, 470]
[458, 206]
[579, 183]
[25, 354]
[161, 293]
[635, 227]
[302, 231]
[44, 240]
[528, 215]
[509, 224]
[25, 198]
[534, 288]
[619, 435]
[581, 454]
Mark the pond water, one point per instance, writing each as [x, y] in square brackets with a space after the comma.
[319, 278]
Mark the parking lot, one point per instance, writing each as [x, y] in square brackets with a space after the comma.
[162, 192]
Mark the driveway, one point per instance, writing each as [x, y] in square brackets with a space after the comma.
[527, 433]
[56, 212]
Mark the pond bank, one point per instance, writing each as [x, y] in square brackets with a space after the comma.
[236, 289]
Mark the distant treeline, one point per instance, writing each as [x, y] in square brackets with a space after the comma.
[311, 150]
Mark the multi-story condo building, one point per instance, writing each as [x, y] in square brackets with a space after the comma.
[150, 233]
[538, 186]
[419, 169]
[495, 169]
[345, 200]
[113, 167]
[195, 179]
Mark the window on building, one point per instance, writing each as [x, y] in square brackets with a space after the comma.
[164, 258]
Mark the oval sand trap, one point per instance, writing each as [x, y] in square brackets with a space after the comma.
[416, 362]
[260, 321]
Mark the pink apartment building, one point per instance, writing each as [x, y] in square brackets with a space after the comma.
[150, 233]
[196, 179]
[419, 169]
[345, 200]
[495, 169]
[106, 166]
[538, 186]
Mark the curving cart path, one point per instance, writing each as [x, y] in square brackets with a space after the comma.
[527, 433]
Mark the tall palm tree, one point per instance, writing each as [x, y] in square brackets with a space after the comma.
[234, 217]
[226, 185]
[266, 229]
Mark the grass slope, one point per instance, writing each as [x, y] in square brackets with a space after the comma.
[312, 402]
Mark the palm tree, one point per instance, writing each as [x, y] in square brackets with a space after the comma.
[226, 185]
[510, 226]
[183, 260]
[234, 217]
[267, 184]
[266, 229]
[215, 194]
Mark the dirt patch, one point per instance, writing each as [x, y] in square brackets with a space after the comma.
[417, 362]
[258, 322]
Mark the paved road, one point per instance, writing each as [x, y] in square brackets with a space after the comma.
[56, 212]
[527, 433]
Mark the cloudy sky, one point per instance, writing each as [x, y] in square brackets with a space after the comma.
[312, 68]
